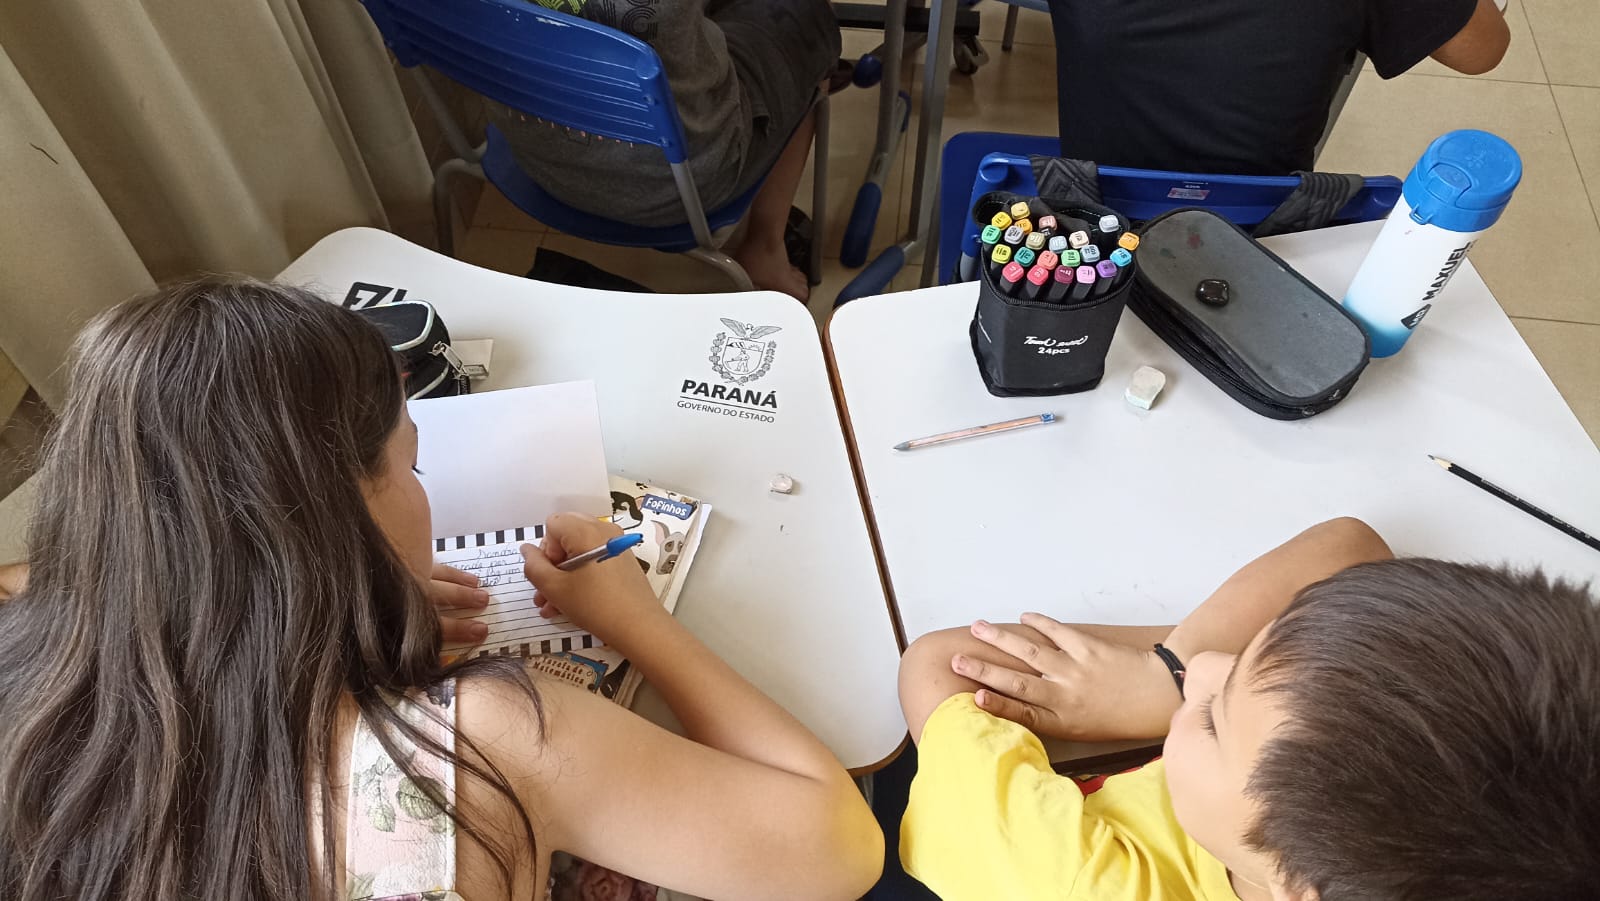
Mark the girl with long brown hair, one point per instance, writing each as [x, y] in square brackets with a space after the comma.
[222, 675]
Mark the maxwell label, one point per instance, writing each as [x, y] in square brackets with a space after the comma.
[1451, 264]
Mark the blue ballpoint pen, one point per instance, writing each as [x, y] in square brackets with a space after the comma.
[606, 551]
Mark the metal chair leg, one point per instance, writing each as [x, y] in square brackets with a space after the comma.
[1010, 35]
[819, 189]
[725, 264]
[443, 207]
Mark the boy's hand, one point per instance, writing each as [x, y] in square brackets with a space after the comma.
[1067, 684]
[610, 598]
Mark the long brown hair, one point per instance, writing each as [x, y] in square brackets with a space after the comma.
[206, 585]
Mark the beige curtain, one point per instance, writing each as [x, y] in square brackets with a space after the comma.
[142, 141]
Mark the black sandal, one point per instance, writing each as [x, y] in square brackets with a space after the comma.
[797, 238]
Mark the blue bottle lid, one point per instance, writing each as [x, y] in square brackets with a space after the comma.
[1463, 181]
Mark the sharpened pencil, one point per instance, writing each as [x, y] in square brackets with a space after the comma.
[975, 431]
[1547, 518]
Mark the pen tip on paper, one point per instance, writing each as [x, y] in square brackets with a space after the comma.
[1441, 463]
[1047, 417]
[904, 445]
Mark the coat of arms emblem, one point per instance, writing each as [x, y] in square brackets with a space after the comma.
[744, 357]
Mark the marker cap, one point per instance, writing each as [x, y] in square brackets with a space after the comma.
[1071, 258]
[1049, 259]
[1106, 269]
[1086, 275]
[1047, 223]
[991, 235]
[1065, 275]
[1038, 275]
[1058, 243]
[1128, 241]
[1024, 257]
[1001, 220]
[1121, 257]
[1001, 254]
[1078, 238]
[1014, 235]
[1109, 224]
[1035, 242]
[1019, 210]
[1012, 273]
[1025, 224]
[1090, 253]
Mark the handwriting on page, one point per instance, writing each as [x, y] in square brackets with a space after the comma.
[515, 626]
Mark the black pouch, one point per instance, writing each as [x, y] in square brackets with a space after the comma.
[1033, 348]
[415, 332]
[1251, 324]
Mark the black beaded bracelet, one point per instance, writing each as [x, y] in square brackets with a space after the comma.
[1173, 664]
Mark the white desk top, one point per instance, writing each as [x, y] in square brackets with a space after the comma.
[785, 588]
[1114, 515]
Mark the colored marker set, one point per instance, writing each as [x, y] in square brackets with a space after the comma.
[1051, 288]
[1051, 259]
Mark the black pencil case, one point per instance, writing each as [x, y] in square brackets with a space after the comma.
[415, 332]
[1242, 316]
[1035, 348]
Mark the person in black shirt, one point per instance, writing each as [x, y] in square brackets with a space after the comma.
[1239, 87]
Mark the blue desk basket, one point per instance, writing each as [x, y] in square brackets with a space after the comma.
[1002, 163]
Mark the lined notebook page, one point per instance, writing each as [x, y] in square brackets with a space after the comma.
[515, 626]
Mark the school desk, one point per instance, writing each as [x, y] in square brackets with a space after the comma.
[711, 395]
[1116, 515]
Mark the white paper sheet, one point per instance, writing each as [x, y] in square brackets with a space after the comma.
[504, 459]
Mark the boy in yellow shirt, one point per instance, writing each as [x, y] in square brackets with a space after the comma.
[1347, 726]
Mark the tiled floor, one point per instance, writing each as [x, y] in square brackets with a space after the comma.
[1542, 260]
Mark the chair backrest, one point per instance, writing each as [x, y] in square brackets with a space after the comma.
[549, 65]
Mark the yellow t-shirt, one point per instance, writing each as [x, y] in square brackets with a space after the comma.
[989, 819]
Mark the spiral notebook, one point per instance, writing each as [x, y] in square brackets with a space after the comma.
[671, 524]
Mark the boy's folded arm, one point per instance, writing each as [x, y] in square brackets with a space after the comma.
[1103, 682]
[1263, 589]
[1095, 683]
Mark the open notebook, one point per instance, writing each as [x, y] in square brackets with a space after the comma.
[671, 524]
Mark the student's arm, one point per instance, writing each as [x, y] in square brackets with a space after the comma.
[1480, 45]
[1098, 683]
[13, 578]
[747, 804]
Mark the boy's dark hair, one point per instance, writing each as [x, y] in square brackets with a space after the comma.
[1442, 740]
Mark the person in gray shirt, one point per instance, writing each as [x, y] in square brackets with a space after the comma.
[745, 75]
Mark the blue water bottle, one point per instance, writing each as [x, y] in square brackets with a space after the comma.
[1454, 193]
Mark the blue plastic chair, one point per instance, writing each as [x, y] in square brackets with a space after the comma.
[976, 163]
[576, 74]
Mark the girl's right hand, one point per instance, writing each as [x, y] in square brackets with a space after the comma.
[602, 597]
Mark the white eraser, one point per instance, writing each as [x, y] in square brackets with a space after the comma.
[781, 484]
[1147, 383]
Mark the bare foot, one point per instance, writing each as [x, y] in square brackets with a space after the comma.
[770, 270]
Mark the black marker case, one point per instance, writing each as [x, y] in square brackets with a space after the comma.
[1031, 348]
